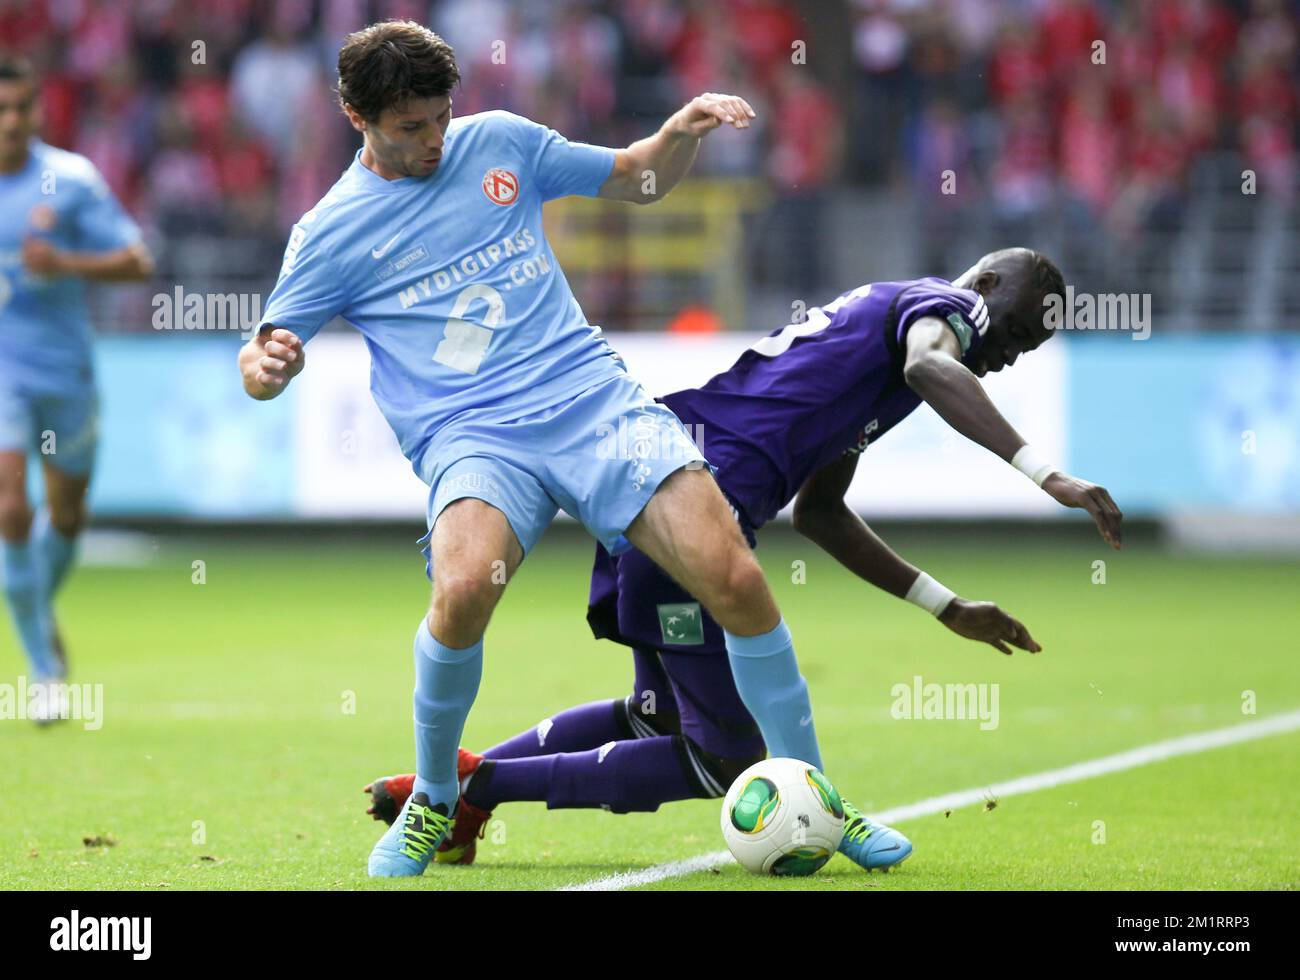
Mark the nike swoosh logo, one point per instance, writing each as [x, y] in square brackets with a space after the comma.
[806, 721]
[385, 248]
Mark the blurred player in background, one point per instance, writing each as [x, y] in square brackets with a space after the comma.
[788, 421]
[59, 226]
[497, 387]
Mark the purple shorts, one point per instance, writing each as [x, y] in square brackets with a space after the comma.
[679, 651]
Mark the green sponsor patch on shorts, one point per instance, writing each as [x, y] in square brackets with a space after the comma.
[681, 623]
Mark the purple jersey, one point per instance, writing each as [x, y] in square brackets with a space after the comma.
[808, 393]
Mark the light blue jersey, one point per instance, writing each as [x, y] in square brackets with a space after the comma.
[45, 333]
[451, 281]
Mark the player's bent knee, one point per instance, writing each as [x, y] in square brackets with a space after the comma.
[722, 770]
[637, 722]
[464, 601]
[15, 516]
[68, 521]
[739, 586]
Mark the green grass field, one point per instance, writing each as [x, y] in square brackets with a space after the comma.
[228, 759]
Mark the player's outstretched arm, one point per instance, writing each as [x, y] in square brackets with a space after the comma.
[270, 361]
[822, 516]
[651, 167]
[933, 369]
[134, 263]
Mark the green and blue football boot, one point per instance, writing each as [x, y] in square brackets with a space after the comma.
[871, 845]
[408, 846]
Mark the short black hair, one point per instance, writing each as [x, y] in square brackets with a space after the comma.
[1045, 277]
[16, 69]
[1037, 275]
[385, 64]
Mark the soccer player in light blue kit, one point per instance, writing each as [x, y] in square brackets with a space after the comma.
[498, 389]
[59, 225]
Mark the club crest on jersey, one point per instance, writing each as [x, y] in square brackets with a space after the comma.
[501, 186]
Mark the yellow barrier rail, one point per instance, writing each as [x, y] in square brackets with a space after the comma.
[696, 231]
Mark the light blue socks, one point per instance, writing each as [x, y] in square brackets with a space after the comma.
[446, 682]
[767, 677]
[56, 552]
[29, 606]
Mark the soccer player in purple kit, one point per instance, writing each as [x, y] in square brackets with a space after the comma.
[788, 421]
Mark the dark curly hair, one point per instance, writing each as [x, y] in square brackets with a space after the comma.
[384, 65]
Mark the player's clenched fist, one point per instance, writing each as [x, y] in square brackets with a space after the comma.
[270, 361]
[711, 110]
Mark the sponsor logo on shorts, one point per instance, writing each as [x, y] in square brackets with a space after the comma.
[864, 437]
[681, 623]
[468, 485]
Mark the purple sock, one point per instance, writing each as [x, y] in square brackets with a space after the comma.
[622, 776]
[572, 730]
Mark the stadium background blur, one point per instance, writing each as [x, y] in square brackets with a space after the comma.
[1127, 171]
[895, 138]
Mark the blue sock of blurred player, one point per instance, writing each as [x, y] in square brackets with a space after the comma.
[446, 682]
[767, 677]
[29, 606]
[56, 552]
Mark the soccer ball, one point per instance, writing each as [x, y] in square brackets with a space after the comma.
[782, 817]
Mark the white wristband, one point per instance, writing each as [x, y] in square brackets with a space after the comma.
[930, 595]
[1033, 464]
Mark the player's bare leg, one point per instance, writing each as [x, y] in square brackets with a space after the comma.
[15, 511]
[473, 551]
[25, 588]
[688, 530]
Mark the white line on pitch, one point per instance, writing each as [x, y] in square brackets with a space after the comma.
[1143, 755]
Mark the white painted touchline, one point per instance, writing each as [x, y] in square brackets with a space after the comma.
[1143, 755]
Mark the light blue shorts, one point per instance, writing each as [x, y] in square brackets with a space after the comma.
[62, 427]
[599, 458]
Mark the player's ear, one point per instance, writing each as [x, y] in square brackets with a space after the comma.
[986, 280]
[355, 118]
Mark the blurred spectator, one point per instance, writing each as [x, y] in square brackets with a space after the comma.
[805, 157]
[273, 77]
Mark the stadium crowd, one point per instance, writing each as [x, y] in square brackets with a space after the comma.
[215, 123]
